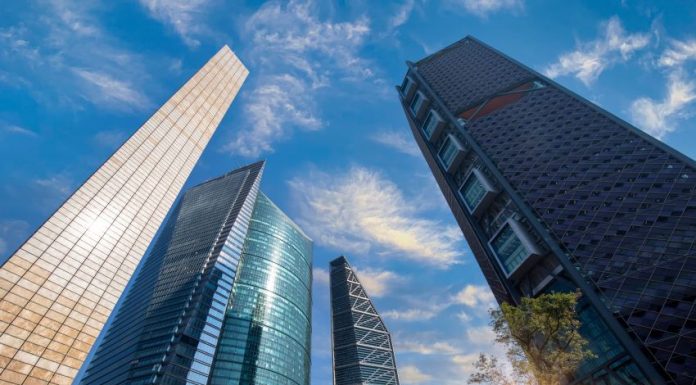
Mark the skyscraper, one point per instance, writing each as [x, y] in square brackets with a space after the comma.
[225, 288]
[362, 347]
[57, 290]
[553, 194]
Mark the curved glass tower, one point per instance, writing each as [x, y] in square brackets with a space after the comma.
[266, 333]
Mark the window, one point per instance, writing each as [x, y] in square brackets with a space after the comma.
[448, 152]
[472, 191]
[417, 103]
[509, 249]
[513, 247]
[406, 86]
[433, 125]
[477, 192]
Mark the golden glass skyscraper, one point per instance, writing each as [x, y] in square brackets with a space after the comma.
[58, 289]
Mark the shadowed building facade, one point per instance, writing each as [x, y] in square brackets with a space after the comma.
[362, 349]
[555, 194]
[224, 289]
[58, 289]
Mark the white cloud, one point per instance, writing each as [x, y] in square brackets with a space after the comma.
[430, 348]
[398, 140]
[57, 186]
[320, 276]
[410, 374]
[11, 233]
[481, 335]
[294, 53]
[111, 91]
[14, 129]
[377, 283]
[679, 53]
[47, 54]
[483, 8]
[364, 212]
[411, 314]
[475, 296]
[181, 15]
[590, 59]
[464, 316]
[657, 118]
[273, 109]
[109, 138]
[403, 13]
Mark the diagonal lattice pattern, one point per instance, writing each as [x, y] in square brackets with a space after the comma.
[362, 348]
[613, 210]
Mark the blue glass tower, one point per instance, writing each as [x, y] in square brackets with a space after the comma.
[174, 318]
[266, 336]
[555, 194]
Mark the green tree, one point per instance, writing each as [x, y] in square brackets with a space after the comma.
[543, 341]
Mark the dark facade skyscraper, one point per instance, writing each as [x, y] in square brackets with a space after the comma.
[362, 347]
[223, 288]
[553, 193]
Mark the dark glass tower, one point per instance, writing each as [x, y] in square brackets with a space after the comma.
[553, 193]
[362, 347]
[180, 310]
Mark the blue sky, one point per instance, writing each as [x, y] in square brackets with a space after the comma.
[77, 78]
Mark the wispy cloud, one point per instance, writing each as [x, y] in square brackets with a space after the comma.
[377, 283]
[398, 140]
[48, 50]
[109, 138]
[320, 276]
[410, 374]
[58, 185]
[180, 15]
[112, 91]
[14, 129]
[426, 348]
[362, 211]
[483, 8]
[403, 13]
[475, 296]
[295, 53]
[275, 107]
[11, 233]
[590, 59]
[660, 117]
[415, 314]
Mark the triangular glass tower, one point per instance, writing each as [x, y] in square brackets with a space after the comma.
[362, 347]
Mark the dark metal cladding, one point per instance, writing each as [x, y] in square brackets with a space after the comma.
[554, 193]
[362, 347]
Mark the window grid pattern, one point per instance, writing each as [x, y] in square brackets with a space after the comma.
[472, 191]
[362, 348]
[173, 315]
[266, 336]
[58, 289]
[509, 249]
[622, 206]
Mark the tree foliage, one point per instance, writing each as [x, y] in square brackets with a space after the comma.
[543, 340]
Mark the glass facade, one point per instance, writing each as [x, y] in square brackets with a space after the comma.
[509, 249]
[448, 152]
[266, 337]
[606, 209]
[472, 191]
[58, 289]
[362, 347]
[169, 326]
